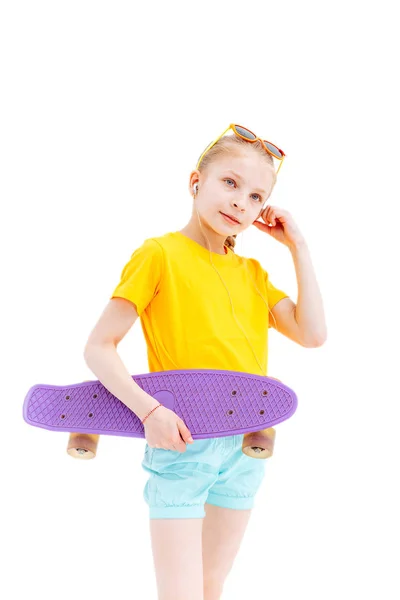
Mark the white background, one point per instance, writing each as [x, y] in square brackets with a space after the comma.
[105, 108]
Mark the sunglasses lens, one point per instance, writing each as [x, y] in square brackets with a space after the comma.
[245, 133]
[275, 151]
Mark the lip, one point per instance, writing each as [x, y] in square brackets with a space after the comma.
[231, 218]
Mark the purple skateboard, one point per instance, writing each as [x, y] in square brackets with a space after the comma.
[211, 403]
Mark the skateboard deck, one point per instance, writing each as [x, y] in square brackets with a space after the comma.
[211, 403]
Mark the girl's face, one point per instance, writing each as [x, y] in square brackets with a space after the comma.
[237, 185]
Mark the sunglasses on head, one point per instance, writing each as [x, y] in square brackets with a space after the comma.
[251, 137]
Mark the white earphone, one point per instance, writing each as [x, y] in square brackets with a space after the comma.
[195, 188]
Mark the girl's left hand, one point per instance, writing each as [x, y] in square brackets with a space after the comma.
[283, 227]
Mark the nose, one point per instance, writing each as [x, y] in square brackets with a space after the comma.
[239, 205]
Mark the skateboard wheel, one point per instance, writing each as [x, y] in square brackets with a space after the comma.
[82, 445]
[259, 444]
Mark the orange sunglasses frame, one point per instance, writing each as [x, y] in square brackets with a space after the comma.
[233, 127]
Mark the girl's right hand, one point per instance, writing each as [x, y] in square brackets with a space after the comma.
[163, 429]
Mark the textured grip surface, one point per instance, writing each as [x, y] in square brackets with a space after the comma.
[211, 403]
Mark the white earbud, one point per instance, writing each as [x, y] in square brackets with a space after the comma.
[195, 188]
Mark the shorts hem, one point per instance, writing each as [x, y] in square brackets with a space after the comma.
[177, 512]
[230, 501]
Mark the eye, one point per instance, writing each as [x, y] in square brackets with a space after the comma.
[231, 180]
[258, 197]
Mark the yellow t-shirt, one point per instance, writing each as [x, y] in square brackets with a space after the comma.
[185, 310]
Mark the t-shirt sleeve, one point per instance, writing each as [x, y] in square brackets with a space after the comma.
[274, 293]
[141, 276]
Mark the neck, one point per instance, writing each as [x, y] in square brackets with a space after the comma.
[215, 241]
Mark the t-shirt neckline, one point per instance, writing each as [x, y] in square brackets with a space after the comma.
[222, 258]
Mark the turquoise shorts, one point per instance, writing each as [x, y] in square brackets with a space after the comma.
[213, 470]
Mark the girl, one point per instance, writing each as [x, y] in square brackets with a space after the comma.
[202, 306]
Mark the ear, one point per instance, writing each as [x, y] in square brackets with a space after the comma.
[194, 178]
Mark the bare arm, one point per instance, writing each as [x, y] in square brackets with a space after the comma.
[103, 360]
[303, 323]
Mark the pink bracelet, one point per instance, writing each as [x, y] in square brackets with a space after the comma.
[151, 412]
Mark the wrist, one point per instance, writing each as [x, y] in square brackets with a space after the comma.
[298, 245]
[145, 405]
[150, 412]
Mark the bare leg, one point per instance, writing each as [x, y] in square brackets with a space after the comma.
[223, 532]
[177, 554]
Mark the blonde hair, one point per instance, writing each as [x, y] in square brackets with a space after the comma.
[230, 144]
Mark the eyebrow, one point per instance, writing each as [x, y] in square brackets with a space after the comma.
[241, 179]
